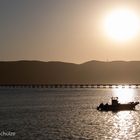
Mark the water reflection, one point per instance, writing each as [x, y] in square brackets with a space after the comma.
[123, 124]
[124, 121]
[124, 94]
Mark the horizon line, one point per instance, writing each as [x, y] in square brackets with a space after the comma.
[34, 60]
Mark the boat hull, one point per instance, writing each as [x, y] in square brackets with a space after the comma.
[130, 106]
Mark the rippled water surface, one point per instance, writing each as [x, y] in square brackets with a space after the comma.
[57, 114]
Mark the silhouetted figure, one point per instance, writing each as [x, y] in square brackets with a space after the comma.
[101, 105]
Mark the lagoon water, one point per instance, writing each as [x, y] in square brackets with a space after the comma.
[69, 114]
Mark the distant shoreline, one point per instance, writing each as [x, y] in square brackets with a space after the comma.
[54, 72]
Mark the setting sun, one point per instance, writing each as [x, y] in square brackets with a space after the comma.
[121, 25]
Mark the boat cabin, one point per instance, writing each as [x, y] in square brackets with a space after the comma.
[114, 101]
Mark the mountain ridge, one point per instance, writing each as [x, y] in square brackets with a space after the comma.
[57, 72]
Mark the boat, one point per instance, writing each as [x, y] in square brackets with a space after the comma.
[116, 106]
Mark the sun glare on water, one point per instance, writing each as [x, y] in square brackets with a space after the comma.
[124, 94]
[122, 25]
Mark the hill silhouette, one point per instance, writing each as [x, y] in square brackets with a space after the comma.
[38, 72]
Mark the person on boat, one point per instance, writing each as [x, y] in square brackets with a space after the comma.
[101, 105]
[106, 106]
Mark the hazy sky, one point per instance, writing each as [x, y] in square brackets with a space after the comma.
[62, 30]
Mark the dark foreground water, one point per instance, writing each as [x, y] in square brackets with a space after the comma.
[69, 114]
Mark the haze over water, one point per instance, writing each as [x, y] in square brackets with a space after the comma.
[67, 114]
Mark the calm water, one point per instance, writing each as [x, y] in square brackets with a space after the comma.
[57, 114]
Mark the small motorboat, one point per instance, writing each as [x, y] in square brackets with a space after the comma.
[116, 106]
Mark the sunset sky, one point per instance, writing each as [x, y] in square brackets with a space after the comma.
[67, 30]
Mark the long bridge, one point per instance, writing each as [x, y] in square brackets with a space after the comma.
[69, 85]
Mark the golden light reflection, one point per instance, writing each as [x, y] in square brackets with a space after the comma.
[123, 122]
[127, 86]
[119, 86]
[124, 94]
[133, 86]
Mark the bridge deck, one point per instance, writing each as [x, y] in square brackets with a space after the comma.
[69, 85]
